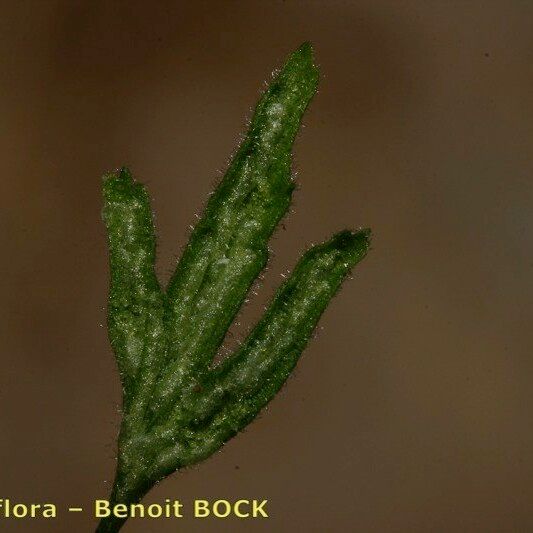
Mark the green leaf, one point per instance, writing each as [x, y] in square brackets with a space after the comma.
[178, 409]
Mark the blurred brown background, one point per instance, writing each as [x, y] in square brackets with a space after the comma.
[411, 410]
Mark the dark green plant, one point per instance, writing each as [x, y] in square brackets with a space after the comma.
[177, 408]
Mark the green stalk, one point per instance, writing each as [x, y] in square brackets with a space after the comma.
[178, 409]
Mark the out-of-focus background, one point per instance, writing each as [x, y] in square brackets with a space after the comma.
[411, 410]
